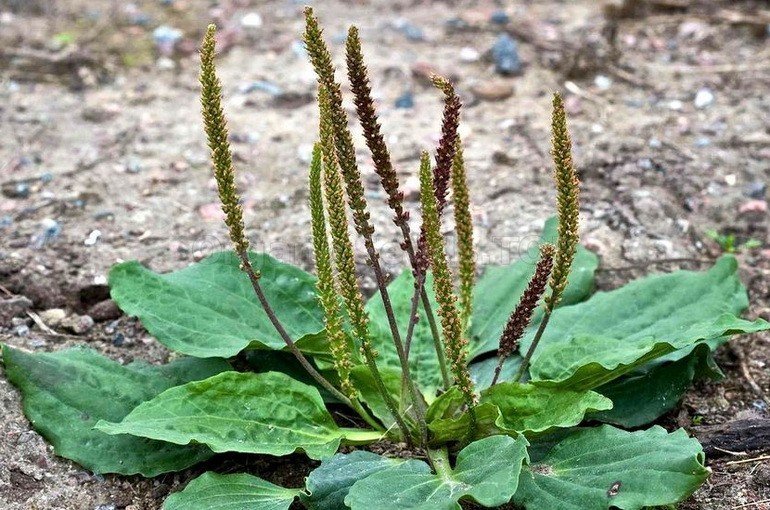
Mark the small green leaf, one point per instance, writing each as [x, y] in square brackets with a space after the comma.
[231, 492]
[499, 289]
[329, 483]
[513, 408]
[66, 392]
[536, 408]
[268, 413]
[599, 468]
[594, 342]
[654, 389]
[209, 309]
[486, 471]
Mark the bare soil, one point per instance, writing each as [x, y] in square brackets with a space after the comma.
[103, 137]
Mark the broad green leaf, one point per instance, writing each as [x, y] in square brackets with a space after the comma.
[486, 471]
[268, 413]
[591, 343]
[238, 491]
[209, 309]
[329, 483]
[514, 408]
[423, 361]
[66, 392]
[656, 388]
[499, 289]
[603, 467]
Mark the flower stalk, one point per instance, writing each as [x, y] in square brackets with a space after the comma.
[568, 211]
[367, 115]
[221, 155]
[346, 158]
[344, 258]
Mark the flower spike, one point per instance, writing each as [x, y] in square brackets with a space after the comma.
[464, 227]
[327, 293]
[454, 340]
[568, 206]
[216, 132]
[447, 145]
[359, 83]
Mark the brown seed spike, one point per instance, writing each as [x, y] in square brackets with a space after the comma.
[445, 152]
[522, 315]
[359, 83]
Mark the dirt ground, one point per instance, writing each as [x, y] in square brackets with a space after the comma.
[102, 159]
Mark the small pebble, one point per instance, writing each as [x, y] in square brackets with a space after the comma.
[93, 237]
[468, 54]
[78, 324]
[53, 317]
[753, 207]
[500, 18]
[165, 38]
[105, 310]
[409, 30]
[405, 100]
[603, 82]
[49, 230]
[505, 53]
[118, 339]
[702, 141]
[731, 179]
[211, 212]
[251, 20]
[21, 330]
[493, 90]
[133, 165]
[261, 86]
[704, 98]
[756, 189]
[675, 105]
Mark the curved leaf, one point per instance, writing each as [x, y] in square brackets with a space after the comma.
[656, 388]
[209, 309]
[329, 483]
[267, 413]
[486, 471]
[599, 468]
[231, 492]
[514, 408]
[594, 342]
[66, 392]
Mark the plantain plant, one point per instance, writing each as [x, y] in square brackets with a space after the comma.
[518, 386]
